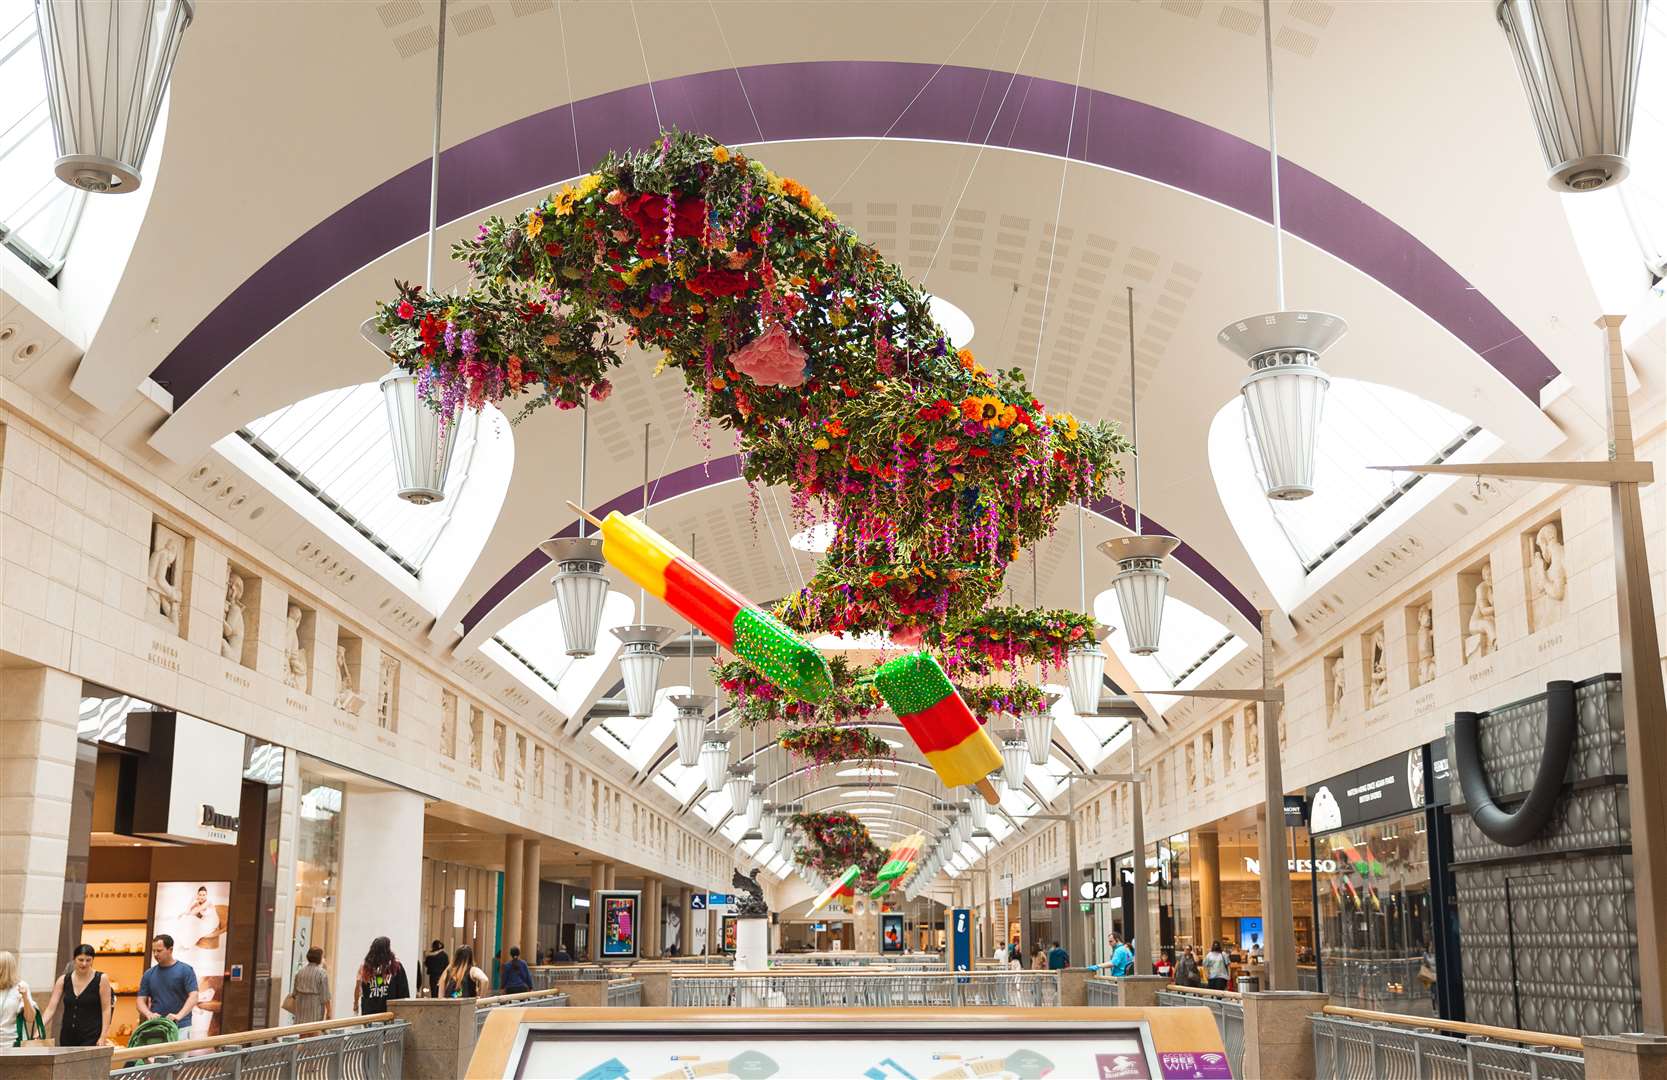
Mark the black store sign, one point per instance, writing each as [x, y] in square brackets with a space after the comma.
[1386, 788]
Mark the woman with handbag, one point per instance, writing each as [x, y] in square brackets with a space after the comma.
[85, 995]
[20, 1020]
[309, 995]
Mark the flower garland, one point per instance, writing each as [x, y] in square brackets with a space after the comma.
[1009, 638]
[833, 840]
[1001, 699]
[826, 744]
[754, 700]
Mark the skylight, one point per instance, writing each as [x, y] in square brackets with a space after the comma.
[682, 783]
[1190, 649]
[335, 445]
[38, 211]
[637, 740]
[712, 807]
[533, 650]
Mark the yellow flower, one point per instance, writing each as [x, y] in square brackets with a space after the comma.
[837, 317]
[535, 225]
[821, 443]
[720, 154]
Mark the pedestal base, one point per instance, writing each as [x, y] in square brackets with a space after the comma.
[752, 944]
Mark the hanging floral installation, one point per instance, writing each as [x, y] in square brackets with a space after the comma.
[825, 744]
[754, 700]
[834, 840]
[821, 357]
[1005, 699]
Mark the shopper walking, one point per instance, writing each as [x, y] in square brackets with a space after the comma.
[1216, 969]
[311, 989]
[84, 996]
[1001, 955]
[1058, 958]
[168, 988]
[1015, 957]
[435, 963]
[516, 979]
[1186, 971]
[463, 979]
[1122, 957]
[17, 1009]
[381, 979]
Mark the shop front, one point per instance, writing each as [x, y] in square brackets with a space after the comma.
[1382, 858]
[174, 831]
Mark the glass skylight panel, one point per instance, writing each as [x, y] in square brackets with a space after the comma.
[38, 211]
[1190, 645]
[734, 827]
[533, 650]
[712, 807]
[1644, 193]
[636, 740]
[1364, 424]
[336, 446]
[682, 783]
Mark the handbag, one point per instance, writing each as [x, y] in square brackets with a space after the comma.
[288, 1004]
[31, 1035]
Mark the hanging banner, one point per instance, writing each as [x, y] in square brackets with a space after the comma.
[621, 922]
[960, 939]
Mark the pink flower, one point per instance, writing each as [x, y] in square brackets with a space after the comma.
[908, 636]
[772, 359]
[601, 390]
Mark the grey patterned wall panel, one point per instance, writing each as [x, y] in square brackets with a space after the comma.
[1570, 904]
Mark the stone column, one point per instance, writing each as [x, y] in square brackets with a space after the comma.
[598, 882]
[1626, 1057]
[531, 855]
[58, 1062]
[613, 876]
[381, 883]
[441, 1038]
[645, 918]
[514, 894]
[686, 911]
[1206, 869]
[1278, 1039]
[38, 711]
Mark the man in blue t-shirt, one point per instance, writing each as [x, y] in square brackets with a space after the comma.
[169, 987]
[1122, 957]
[1058, 958]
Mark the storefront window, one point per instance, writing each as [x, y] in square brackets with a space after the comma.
[1376, 923]
[317, 867]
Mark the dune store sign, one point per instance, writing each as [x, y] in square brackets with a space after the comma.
[190, 784]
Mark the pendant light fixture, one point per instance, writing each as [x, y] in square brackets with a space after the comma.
[1284, 394]
[642, 654]
[1015, 758]
[1038, 730]
[581, 588]
[1141, 581]
[738, 786]
[423, 439]
[107, 70]
[1579, 61]
[755, 811]
[979, 812]
[691, 727]
[714, 758]
[1086, 660]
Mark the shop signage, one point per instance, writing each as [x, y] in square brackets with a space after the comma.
[1441, 792]
[188, 780]
[1094, 890]
[1050, 901]
[1386, 788]
[1296, 811]
[960, 939]
[1297, 866]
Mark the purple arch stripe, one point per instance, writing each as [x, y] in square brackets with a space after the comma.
[720, 470]
[861, 99]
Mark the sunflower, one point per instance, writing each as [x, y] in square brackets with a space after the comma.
[989, 411]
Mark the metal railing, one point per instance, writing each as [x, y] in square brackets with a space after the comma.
[531, 999]
[624, 993]
[1228, 1009]
[356, 1051]
[1100, 992]
[1347, 1048]
[546, 976]
[864, 990]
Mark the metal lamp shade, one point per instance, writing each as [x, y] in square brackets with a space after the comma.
[581, 590]
[1284, 394]
[1579, 63]
[107, 67]
[422, 440]
[640, 660]
[778, 836]
[714, 759]
[980, 812]
[738, 786]
[1141, 584]
[691, 728]
[1038, 735]
[755, 808]
[1086, 663]
[1015, 758]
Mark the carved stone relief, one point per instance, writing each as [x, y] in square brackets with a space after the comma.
[1377, 667]
[1421, 632]
[538, 772]
[448, 724]
[387, 695]
[297, 650]
[477, 725]
[1548, 574]
[1481, 617]
[165, 577]
[1337, 683]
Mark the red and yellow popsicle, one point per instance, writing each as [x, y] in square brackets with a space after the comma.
[932, 712]
[657, 566]
[841, 884]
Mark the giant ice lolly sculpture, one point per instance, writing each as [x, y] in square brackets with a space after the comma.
[939, 722]
[902, 857]
[839, 885]
[657, 566]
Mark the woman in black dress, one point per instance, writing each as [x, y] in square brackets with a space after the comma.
[84, 996]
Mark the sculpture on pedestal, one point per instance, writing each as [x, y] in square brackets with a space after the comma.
[232, 623]
[347, 694]
[295, 658]
[1426, 644]
[749, 895]
[1380, 670]
[1339, 684]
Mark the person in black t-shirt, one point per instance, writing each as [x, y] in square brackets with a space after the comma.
[381, 979]
[435, 962]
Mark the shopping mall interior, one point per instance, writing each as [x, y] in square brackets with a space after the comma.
[818, 538]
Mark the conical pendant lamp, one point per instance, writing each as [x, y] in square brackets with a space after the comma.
[691, 728]
[581, 588]
[714, 758]
[642, 654]
[1015, 757]
[1284, 395]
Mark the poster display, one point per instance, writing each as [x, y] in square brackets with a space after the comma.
[1105, 1051]
[891, 932]
[1388, 787]
[620, 924]
[727, 938]
[195, 912]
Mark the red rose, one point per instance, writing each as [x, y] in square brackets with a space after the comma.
[719, 282]
[648, 213]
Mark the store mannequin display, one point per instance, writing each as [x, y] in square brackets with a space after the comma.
[162, 575]
[1548, 577]
[1426, 644]
[231, 623]
[295, 660]
[1380, 670]
[1484, 627]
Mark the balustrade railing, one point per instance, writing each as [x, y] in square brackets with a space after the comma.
[530, 999]
[624, 993]
[866, 990]
[1228, 1009]
[1350, 1044]
[359, 1048]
